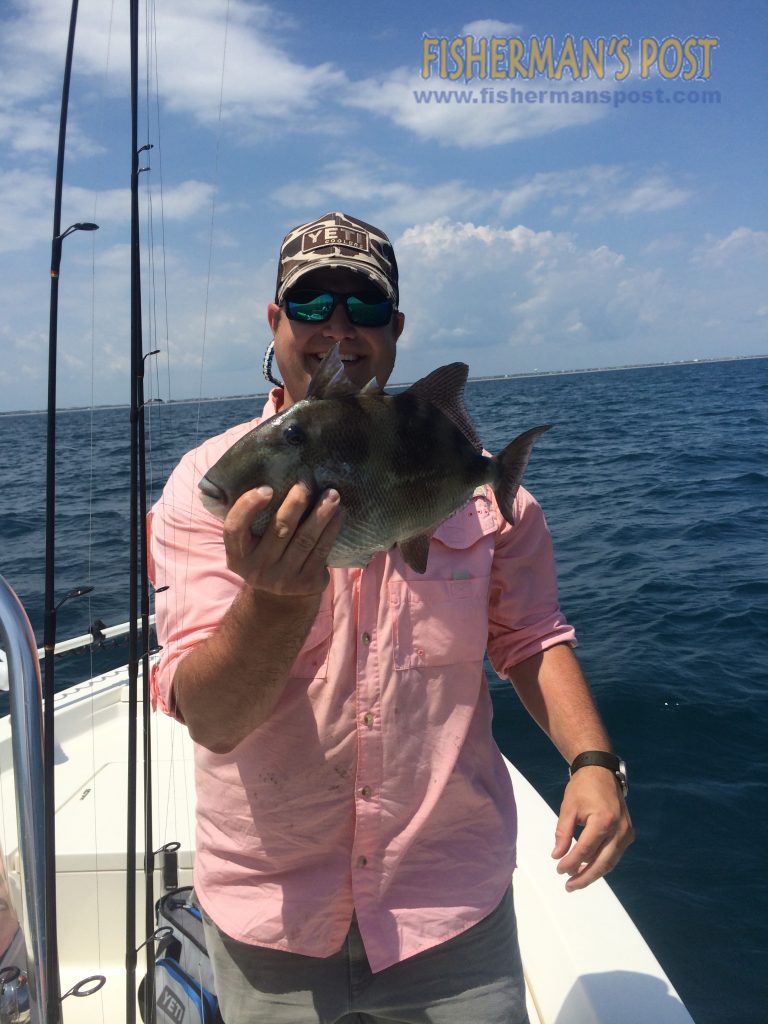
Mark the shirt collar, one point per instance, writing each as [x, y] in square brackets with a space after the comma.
[274, 400]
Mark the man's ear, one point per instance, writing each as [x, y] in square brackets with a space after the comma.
[273, 316]
[399, 323]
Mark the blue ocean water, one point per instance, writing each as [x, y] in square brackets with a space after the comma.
[655, 486]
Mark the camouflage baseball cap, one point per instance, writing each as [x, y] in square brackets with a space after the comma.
[337, 240]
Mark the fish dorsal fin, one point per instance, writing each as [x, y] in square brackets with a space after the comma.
[444, 388]
[372, 388]
[330, 379]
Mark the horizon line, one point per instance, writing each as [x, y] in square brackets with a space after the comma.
[516, 375]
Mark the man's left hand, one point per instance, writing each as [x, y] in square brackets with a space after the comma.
[594, 802]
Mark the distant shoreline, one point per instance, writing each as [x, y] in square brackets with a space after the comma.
[613, 369]
[493, 376]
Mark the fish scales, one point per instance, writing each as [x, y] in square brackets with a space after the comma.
[408, 464]
[401, 463]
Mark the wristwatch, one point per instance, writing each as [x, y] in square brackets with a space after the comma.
[604, 760]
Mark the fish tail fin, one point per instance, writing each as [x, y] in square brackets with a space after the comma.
[511, 463]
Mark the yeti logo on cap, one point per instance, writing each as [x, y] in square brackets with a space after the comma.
[335, 234]
[337, 240]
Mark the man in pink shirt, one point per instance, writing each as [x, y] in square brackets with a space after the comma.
[355, 821]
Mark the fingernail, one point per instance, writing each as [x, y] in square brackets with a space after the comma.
[264, 491]
[331, 497]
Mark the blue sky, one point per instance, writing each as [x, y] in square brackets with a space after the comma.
[544, 234]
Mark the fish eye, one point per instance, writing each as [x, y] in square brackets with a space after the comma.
[293, 434]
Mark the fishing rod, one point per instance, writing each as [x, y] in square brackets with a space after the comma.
[138, 592]
[49, 984]
[48, 972]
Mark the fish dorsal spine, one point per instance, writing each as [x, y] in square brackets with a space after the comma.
[330, 379]
[444, 388]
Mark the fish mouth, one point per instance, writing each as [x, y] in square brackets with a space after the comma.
[214, 499]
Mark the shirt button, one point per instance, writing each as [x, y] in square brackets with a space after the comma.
[366, 638]
[362, 861]
[368, 719]
[366, 791]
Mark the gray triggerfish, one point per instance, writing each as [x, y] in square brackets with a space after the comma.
[402, 463]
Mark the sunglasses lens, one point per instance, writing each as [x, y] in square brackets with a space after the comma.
[310, 306]
[369, 311]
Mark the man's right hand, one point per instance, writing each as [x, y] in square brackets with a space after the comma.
[261, 634]
[290, 559]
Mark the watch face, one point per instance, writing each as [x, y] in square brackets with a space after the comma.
[621, 775]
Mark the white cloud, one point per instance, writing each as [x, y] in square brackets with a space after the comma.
[25, 210]
[597, 191]
[467, 118]
[511, 299]
[489, 28]
[583, 193]
[514, 288]
[26, 206]
[373, 185]
[652, 195]
[261, 81]
[741, 244]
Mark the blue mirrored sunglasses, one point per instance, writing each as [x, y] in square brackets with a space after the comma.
[365, 309]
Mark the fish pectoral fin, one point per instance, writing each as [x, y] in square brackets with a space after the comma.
[415, 552]
[330, 379]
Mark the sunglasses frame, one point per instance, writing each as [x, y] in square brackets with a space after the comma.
[338, 299]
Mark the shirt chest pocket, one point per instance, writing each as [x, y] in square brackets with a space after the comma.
[444, 621]
[438, 622]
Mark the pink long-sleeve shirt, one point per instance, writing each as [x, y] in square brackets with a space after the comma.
[375, 785]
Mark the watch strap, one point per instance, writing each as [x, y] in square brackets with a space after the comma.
[596, 757]
[602, 759]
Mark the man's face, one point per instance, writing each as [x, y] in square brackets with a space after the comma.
[366, 351]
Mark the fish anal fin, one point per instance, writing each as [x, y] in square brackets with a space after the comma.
[444, 388]
[330, 379]
[415, 552]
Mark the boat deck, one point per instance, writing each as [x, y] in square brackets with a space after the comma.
[585, 962]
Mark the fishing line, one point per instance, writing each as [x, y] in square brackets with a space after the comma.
[154, 424]
[164, 273]
[169, 816]
[180, 594]
[213, 216]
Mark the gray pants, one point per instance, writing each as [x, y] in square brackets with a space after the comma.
[475, 977]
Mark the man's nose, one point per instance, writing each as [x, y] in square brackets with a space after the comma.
[339, 325]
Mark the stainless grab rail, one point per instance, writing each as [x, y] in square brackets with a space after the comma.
[26, 707]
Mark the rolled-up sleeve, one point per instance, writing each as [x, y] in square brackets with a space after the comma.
[188, 562]
[524, 612]
[194, 588]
